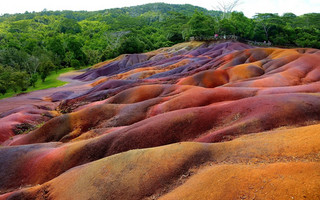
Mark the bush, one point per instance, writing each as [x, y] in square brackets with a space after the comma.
[3, 89]
[132, 45]
[75, 64]
[33, 80]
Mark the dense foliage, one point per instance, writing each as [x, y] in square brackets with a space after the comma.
[34, 44]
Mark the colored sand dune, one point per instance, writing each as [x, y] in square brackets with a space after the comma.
[193, 121]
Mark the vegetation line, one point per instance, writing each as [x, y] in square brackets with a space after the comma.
[50, 82]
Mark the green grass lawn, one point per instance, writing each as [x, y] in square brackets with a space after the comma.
[50, 82]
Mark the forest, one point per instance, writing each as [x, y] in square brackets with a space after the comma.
[33, 45]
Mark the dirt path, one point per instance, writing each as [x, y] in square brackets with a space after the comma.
[36, 97]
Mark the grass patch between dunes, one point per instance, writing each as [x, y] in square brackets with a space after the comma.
[50, 82]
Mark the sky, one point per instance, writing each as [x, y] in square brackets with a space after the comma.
[248, 7]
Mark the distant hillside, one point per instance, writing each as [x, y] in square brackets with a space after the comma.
[133, 11]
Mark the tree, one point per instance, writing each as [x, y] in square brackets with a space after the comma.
[201, 25]
[55, 45]
[75, 45]
[132, 45]
[33, 80]
[307, 37]
[68, 58]
[21, 79]
[29, 45]
[226, 27]
[3, 88]
[69, 26]
[75, 64]
[243, 26]
[3, 80]
[310, 20]
[176, 27]
[289, 18]
[32, 65]
[114, 38]
[267, 22]
[13, 58]
[226, 7]
[94, 56]
[5, 76]
[46, 66]
[19, 26]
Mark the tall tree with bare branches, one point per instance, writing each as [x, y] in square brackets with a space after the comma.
[226, 6]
